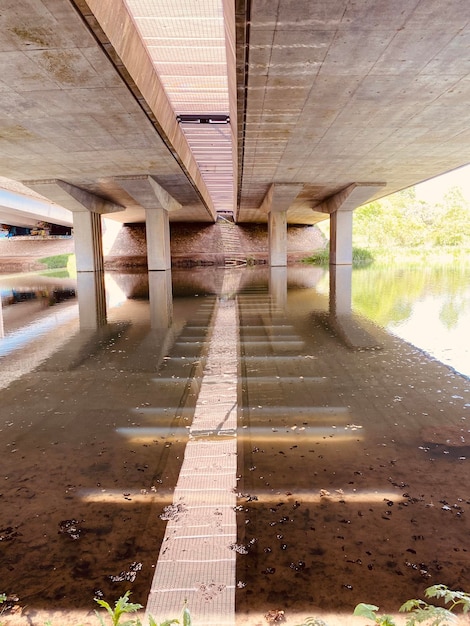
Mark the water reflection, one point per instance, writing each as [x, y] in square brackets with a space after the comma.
[427, 306]
[218, 435]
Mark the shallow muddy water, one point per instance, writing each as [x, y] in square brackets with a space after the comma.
[352, 473]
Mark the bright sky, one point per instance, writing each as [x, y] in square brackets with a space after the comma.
[436, 188]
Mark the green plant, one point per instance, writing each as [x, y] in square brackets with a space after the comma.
[420, 610]
[360, 256]
[369, 611]
[122, 606]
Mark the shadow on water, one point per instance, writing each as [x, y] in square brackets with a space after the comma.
[345, 492]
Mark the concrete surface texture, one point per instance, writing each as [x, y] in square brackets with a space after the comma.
[333, 95]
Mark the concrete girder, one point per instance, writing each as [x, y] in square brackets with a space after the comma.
[24, 210]
[280, 196]
[349, 198]
[74, 198]
[148, 193]
[114, 18]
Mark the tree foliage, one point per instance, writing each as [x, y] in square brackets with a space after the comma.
[402, 219]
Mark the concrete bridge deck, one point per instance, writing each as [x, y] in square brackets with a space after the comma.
[328, 105]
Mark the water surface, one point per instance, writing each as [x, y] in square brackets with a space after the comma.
[350, 481]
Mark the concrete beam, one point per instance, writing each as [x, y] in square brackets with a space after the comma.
[114, 18]
[349, 198]
[20, 209]
[280, 196]
[148, 193]
[74, 198]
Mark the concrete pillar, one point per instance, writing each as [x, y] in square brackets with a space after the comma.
[91, 299]
[276, 202]
[88, 241]
[161, 299]
[277, 238]
[340, 290]
[341, 223]
[157, 228]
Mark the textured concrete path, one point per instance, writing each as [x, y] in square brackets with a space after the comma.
[197, 557]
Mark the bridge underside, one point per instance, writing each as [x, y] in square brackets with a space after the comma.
[331, 104]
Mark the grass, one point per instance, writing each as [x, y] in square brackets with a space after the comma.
[59, 261]
[361, 257]
[410, 256]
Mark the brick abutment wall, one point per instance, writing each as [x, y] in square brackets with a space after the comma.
[191, 245]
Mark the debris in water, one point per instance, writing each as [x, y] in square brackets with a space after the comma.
[129, 575]
[241, 549]
[172, 512]
[8, 533]
[275, 616]
[70, 527]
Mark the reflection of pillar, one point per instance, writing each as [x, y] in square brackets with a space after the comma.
[88, 241]
[340, 290]
[277, 238]
[341, 223]
[278, 286]
[161, 301]
[91, 299]
[157, 228]
[2, 330]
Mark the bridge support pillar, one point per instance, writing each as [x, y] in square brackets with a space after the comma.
[158, 204]
[86, 208]
[340, 207]
[88, 241]
[276, 202]
[341, 223]
[277, 238]
[157, 228]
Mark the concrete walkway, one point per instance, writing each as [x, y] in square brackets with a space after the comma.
[198, 554]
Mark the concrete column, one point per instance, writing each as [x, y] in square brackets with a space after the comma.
[161, 300]
[157, 228]
[276, 202]
[277, 238]
[88, 241]
[91, 299]
[341, 237]
[340, 290]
